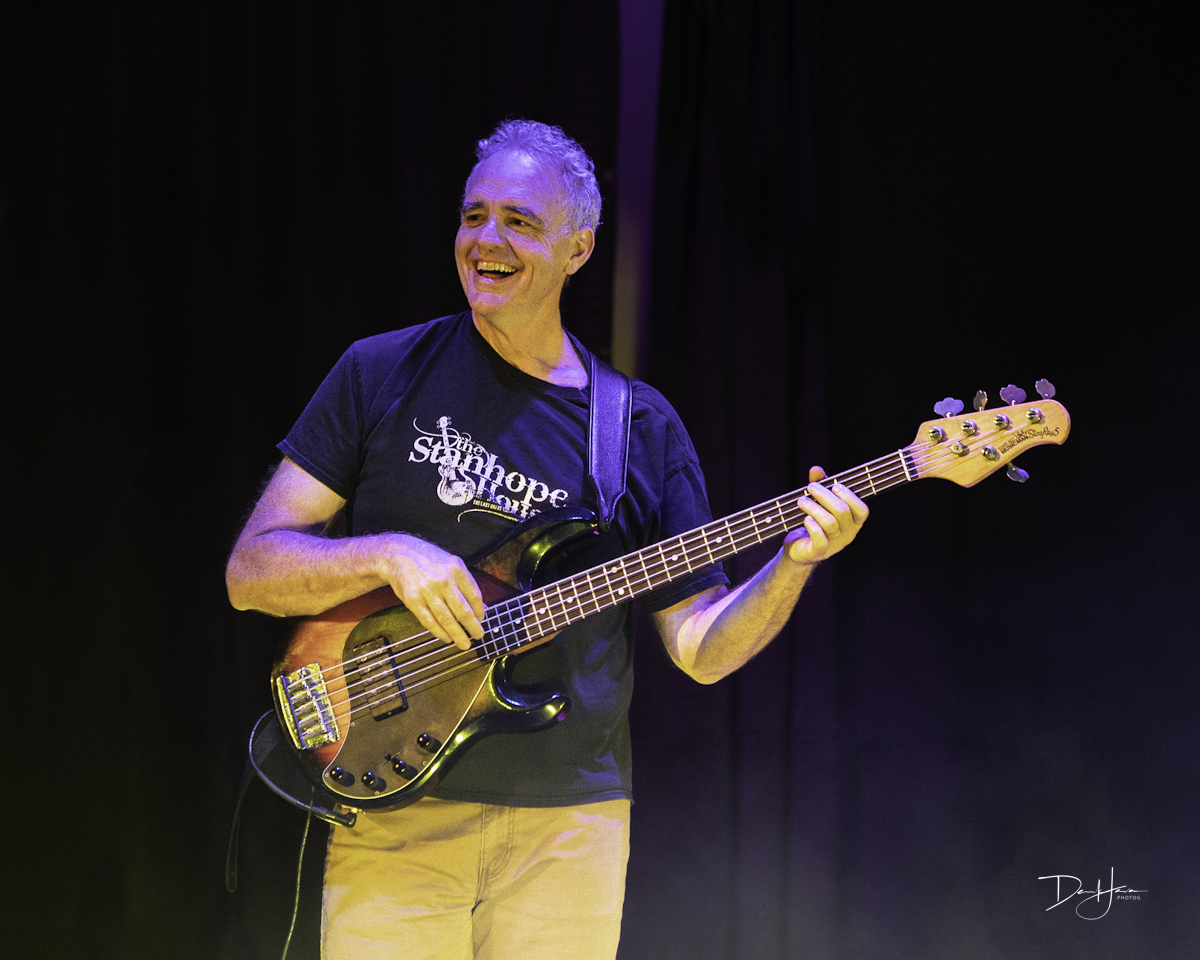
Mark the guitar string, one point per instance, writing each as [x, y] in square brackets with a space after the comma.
[556, 608]
[554, 612]
[892, 473]
[745, 536]
[769, 507]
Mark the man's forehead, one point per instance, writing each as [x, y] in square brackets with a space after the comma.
[516, 180]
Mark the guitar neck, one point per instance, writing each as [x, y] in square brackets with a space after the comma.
[534, 617]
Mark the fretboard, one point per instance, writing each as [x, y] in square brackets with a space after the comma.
[525, 619]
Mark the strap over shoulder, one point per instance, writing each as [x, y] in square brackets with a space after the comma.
[610, 410]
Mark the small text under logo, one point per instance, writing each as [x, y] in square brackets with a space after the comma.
[1067, 888]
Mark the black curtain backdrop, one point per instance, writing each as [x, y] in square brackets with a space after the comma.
[204, 205]
[860, 208]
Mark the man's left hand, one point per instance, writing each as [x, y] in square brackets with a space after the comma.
[835, 515]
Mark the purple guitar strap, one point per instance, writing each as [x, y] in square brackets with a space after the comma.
[610, 411]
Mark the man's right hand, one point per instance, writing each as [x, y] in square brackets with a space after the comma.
[434, 585]
[284, 565]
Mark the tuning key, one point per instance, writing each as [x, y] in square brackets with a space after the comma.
[1045, 389]
[1016, 473]
[948, 407]
[1012, 394]
[980, 401]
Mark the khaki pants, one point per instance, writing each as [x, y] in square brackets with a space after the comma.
[454, 881]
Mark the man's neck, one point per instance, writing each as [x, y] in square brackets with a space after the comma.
[540, 349]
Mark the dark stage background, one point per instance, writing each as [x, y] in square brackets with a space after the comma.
[859, 208]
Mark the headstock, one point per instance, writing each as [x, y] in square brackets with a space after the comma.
[966, 448]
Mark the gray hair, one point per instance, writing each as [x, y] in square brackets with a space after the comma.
[572, 167]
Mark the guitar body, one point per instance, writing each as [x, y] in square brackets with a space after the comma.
[418, 703]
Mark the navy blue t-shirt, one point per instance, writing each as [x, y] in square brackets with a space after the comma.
[428, 431]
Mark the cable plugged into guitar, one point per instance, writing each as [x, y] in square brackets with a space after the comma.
[1012, 395]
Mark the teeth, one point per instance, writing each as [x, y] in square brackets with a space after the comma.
[488, 266]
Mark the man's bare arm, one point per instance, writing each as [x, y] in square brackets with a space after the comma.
[715, 632]
[284, 564]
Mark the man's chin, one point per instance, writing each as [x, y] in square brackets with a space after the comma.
[490, 309]
[486, 303]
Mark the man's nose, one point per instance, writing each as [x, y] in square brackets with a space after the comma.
[490, 232]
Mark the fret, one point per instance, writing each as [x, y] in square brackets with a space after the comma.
[870, 482]
[517, 630]
[562, 603]
[666, 565]
[571, 604]
[673, 561]
[903, 455]
[796, 518]
[495, 626]
[687, 555]
[641, 556]
[758, 537]
[576, 599]
[516, 626]
[540, 597]
[747, 531]
[607, 584]
[624, 580]
[598, 588]
[531, 623]
[586, 577]
[509, 631]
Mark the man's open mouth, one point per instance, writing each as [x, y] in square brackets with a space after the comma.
[493, 270]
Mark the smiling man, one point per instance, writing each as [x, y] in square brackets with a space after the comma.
[426, 445]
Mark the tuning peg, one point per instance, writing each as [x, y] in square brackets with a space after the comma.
[948, 407]
[1012, 394]
[980, 401]
[1045, 389]
[1016, 473]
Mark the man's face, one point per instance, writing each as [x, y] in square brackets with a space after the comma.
[514, 249]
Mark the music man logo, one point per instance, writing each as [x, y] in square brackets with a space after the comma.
[1063, 882]
[1025, 434]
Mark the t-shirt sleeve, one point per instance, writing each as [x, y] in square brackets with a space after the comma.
[689, 486]
[326, 442]
[684, 507]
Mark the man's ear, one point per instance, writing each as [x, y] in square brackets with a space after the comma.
[582, 245]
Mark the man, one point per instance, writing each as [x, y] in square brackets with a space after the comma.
[450, 432]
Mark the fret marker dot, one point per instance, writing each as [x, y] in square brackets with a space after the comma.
[621, 591]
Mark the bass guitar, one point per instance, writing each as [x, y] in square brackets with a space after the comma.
[374, 710]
